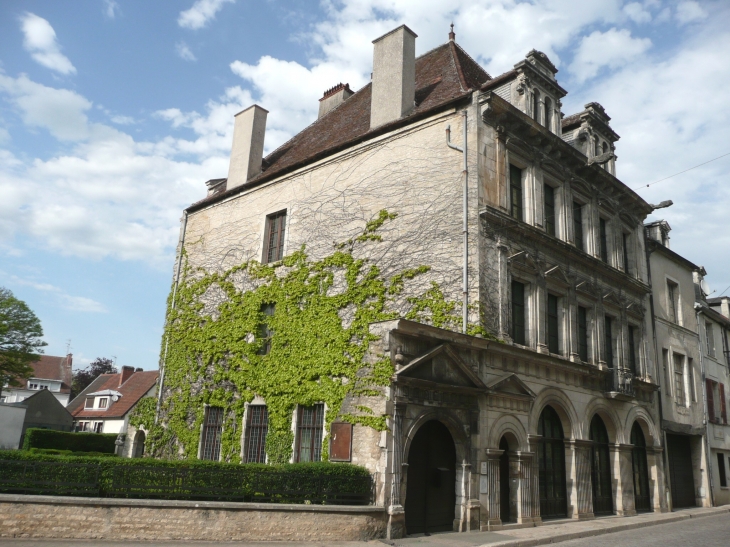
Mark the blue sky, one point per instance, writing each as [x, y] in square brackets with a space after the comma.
[114, 113]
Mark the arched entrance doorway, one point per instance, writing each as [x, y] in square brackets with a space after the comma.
[551, 456]
[600, 468]
[642, 497]
[431, 483]
[504, 483]
[139, 439]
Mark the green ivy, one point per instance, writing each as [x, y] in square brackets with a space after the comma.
[215, 356]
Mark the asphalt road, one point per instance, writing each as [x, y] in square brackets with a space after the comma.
[701, 532]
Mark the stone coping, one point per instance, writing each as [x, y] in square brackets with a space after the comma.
[186, 504]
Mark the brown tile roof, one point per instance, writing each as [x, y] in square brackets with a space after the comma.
[50, 367]
[443, 75]
[132, 391]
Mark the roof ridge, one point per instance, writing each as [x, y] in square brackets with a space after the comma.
[457, 64]
[466, 54]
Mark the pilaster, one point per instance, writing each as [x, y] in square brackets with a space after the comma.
[489, 489]
[580, 474]
[622, 471]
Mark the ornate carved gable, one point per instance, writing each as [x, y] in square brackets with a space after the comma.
[441, 368]
[511, 386]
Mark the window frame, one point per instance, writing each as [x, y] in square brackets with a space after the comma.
[609, 354]
[86, 403]
[273, 251]
[680, 395]
[710, 339]
[516, 207]
[522, 339]
[211, 434]
[625, 241]
[103, 403]
[673, 302]
[256, 433]
[633, 354]
[316, 430]
[582, 338]
[722, 470]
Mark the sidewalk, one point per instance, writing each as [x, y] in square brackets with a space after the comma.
[554, 532]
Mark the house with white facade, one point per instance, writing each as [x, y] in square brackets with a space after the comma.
[49, 372]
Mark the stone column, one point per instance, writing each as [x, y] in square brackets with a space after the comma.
[489, 489]
[582, 491]
[396, 513]
[523, 475]
[655, 463]
[622, 473]
[539, 319]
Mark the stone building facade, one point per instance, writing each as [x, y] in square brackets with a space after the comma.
[507, 371]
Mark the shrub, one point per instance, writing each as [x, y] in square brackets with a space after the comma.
[64, 440]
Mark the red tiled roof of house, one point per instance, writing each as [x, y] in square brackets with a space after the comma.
[443, 75]
[132, 391]
[51, 367]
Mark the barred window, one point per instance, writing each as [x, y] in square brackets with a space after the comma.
[274, 237]
[257, 425]
[309, 429]
[212, 428]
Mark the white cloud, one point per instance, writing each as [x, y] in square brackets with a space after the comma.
[613, 49]
[201, 13]
[65, 300]
[689, 12]
[184, 52]
[40, 42]
[123, 120]
[637, 13]
[110, 8]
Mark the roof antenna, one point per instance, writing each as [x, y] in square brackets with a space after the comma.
[68, 346]
[452, 36]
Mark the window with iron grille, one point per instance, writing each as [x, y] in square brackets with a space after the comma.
[549, 198]
[604, 240]
[515, 192]
[274, 237]
[632, 349]
[518, 312]
[679, 378]
[212, 428]
[265, 331]
[257, 425]
[578, 225]
[583, 333]
[309, 433]
[609, 341]
[553, 324]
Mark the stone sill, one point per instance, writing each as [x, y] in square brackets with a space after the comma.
[185, 504]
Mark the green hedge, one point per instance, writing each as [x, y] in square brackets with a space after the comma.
[64, 440]
[320, 483]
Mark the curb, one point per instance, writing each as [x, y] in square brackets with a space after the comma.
[567, 536]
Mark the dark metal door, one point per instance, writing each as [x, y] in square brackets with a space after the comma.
[600, 468]
[551, 456]
[680, 471]
[504, 486]
[642, 495]
[431, 484]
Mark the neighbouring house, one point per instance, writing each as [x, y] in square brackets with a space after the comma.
[11, 425]
[441, 279]
[44, 411]
[105, 406]
[50, 373]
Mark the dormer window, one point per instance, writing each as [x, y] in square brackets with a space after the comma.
[548, 113]
[103, 402]
[32, 386]
[89, 402]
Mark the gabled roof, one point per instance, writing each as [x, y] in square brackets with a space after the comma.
[50, 367]
[136, 386]
[443, 75]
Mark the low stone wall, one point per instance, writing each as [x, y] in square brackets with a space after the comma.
[122, 519]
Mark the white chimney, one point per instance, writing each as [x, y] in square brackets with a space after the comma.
[394, 76]
[333, 98]
[248, 146]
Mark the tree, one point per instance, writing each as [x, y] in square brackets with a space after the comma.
[82, 378]
[20, 339]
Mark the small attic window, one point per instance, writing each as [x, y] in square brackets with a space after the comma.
[536, 105]
[548, 113]
[89, 402]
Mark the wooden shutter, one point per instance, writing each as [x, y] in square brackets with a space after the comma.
[341, 442]
[267, 237]
[710, 400]
[723, 408]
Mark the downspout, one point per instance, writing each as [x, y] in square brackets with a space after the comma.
[465, 226]
[699, 311]
[181, 242]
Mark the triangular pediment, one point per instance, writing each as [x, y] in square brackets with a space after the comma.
[511, 384]
[524, 260]
[441, 365]
[556, 274]
[612, 298]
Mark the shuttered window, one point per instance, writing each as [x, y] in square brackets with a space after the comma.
[518, 312]
[583, 333]
[515, 192]
[549, 198]
[274, 237]
[257, 426]
[673, 301]
[212, 428]
[553, 324]
[578, 225]
[679, 379]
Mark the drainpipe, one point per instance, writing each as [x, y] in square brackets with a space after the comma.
[465, 227]
[699, 311]
[181, 242]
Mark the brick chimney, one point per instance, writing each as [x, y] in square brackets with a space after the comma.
[333, 98]
[394, 76]
[247, 151]
[66, 372]
[125, 374]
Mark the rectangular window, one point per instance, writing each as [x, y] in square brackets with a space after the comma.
[723, 403]
[553, 325]
[710, 390]
[632, 349]
[673, 301]
[625, 243]
[32, 386]
[98, 427]
[721, 468]
[518, 312]
[212, 429]
[257, 425]
[103, 401]
[710, 339]
[604, 240]
[549, 195]
[515, 192]
[609, 341]
[265, 331]
[665, 365]
[679, 395]
[691, 374]
[578, 225]
[309, 429]
[583, 333]
[274, 237]
[89, 402]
